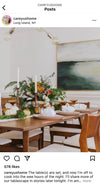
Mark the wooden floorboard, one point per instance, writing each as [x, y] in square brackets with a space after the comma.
[35, 143]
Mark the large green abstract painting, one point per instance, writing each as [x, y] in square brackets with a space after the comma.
[79, 75]
[78, 66]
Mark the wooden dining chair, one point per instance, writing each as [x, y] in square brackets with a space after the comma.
[17, 137]
[4, 144]
[65, 129]
[7, 100]
[90, 129]
[4, 141]
[89, 134]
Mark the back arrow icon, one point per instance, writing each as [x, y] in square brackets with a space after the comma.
[4, 7]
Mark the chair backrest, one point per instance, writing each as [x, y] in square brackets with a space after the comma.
[7, 100]
[90, 128]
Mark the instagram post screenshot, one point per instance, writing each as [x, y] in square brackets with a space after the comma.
[49, 92]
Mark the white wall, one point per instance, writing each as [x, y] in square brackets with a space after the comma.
[4, 64]
[34, 53]
[75, 34]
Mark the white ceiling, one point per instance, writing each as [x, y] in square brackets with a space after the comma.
[62, 34]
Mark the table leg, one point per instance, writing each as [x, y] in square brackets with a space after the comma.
[25, 141]
[97, 140]
[42, 136]
[81, 118]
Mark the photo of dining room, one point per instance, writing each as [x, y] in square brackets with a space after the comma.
[50, 89]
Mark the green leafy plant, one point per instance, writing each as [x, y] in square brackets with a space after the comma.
[31, 108]
[27, 90]
[24, 87]
[57, 106]
[7, 116]
[20, 114]
[46, 81]
[56, 94]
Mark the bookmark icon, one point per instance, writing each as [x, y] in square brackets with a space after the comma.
[92, 157]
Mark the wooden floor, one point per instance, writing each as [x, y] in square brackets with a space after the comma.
[34, 145]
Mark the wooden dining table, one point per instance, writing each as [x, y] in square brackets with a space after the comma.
[28, 124]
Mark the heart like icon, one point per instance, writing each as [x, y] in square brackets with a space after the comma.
[6, 157]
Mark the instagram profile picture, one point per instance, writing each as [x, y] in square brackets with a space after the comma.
[6, 20]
